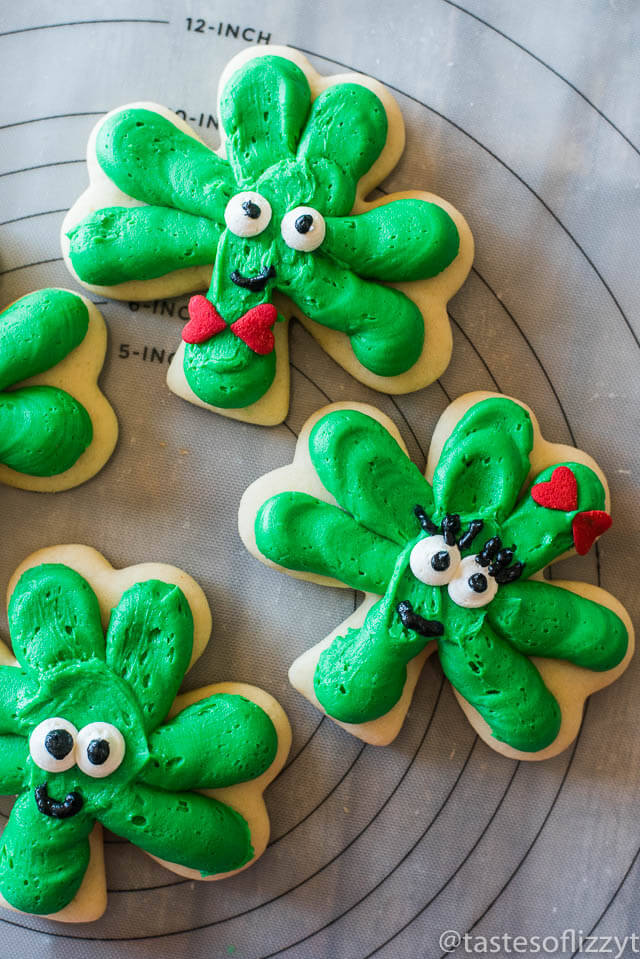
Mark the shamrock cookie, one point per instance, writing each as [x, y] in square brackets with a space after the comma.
[451, 563]
[278, 212]
[91, 732]
[56, 427]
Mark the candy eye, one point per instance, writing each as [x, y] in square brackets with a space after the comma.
[100, 749]
[433, 562]
[473, 585]
[247, 214]
[303, 228]
[52, 745]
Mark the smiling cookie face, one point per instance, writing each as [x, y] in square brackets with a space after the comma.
[90, 740]
[84, 737]
[451, 559]
[273, 217]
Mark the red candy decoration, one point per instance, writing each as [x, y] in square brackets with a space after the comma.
[204, 321]
[586, 528]
[560, 492]
[254, 328]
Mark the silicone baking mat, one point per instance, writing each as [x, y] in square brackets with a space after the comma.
[525, 117]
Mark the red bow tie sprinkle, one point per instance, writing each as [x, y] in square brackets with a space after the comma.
[253, 327]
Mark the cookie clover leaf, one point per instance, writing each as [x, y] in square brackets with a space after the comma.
[85, 737]
[56, 427]
[450, 565]
[278, 212]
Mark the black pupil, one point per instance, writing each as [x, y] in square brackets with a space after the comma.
[98, 751]
[304, 223]
[251, 209]
[58, 743]
[478, 582]
[441, 561]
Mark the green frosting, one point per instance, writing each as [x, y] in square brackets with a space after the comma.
[140, 243]
[43, 430]
[42, 860]
[476, 481]
[558, 620]
[368, 243]
[236, 738]
[293, 152]
[303, 531]
[364, 672]
[374, 471]
[366, 542]
[39, 330]
[502, 684]
[69, 671]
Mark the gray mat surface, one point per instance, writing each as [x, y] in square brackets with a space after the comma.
[525, 117]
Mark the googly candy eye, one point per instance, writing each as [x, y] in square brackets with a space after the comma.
[247, 213]
[433, 562]
[52, 744]
[303, 228]
[100, 749]
[473, 585]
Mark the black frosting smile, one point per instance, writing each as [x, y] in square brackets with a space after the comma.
[413, 620]
[254, 283]
[69, 806]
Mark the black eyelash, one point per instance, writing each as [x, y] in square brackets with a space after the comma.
[428, 525]
[467, 538]
[497, 558]
[489, 550]
[451, 528]
[509, 575]
[493, 554]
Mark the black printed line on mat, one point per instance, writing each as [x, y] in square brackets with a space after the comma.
[240, 915]
[31, 216]
[54, 116]
[538, 832]
[75, 23]
[548, 67]
[26, 266]
[627, 322]
[611, 901]
[40, 166]
[509, 169]
[298, 942]
[460, 866]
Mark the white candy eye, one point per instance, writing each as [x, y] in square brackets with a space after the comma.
[100, 749]
[473, 586]
[247, 214]
[52, 745]
[433, 562]
[303, 228]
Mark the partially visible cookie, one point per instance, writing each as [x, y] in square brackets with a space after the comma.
[56, 427]
[451, 563]
[274, 224]
[91, 733]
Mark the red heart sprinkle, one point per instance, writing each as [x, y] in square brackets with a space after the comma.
[586, 528]
[560, 492]
[254, 328]
[204, 321]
